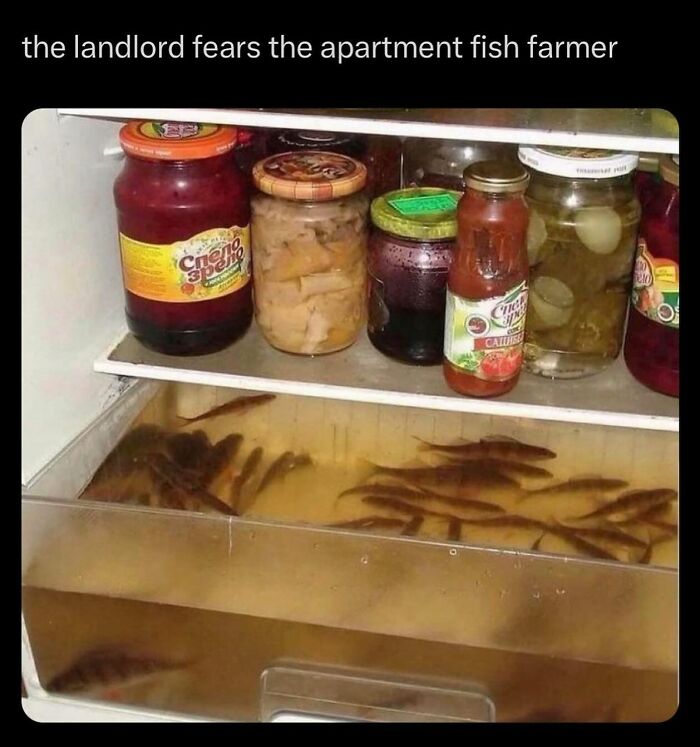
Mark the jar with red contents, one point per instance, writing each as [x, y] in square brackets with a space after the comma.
[183, 214]
[651, 346]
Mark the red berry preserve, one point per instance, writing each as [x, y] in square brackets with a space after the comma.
[183, 214]
[651, 346]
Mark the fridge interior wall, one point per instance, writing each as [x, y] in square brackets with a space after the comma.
[481, 601]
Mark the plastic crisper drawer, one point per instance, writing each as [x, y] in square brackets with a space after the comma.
[275, 566]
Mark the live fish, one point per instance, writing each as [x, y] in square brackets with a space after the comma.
[637, 501]
[188, 450]
[399, 491]
[652, 517]
[494, 449]
[239, 405]
[536, 544]
[506, 467]
[579, 485]
[249, 466]
[369, 522]
[454, 530]
[219, 456]
[580, 544]
[172, 475]
[412, 527]
[614, 536]
[282, 466]
[406, 508]
[105, 667]
[462, 476]
[142, 440]
[510, 521]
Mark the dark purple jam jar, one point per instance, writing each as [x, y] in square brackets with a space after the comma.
[410, 252]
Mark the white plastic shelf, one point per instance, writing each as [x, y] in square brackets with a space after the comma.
[360, 373]
[642, 130]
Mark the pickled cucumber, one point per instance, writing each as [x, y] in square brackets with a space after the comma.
[536, 235]
[599, 228]
[552, 303]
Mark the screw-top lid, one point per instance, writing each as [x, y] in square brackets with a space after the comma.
[648, 162]
[349, 144]
[309, 175]
[582, 163]
[670, 169]
[176, 141]
[496, 177]
[417, 213]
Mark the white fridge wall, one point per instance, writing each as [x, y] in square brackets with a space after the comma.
[72, 297]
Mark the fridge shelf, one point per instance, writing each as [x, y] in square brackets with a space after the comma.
[361, 374]
[648, 130]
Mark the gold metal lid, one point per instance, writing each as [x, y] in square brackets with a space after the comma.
[670, 169]
[496, 176]
[648, 162]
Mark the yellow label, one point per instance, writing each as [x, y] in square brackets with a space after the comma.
[209, 265]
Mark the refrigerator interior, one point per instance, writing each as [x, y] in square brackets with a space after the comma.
[210, 607]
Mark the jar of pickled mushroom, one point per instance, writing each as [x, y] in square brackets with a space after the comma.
[410, 252]
[581, 245]
[441, 163]
[309, 233]
[651, 346]
[183, 212]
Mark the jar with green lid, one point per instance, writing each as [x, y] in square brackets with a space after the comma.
[410, 251]
[582, 235]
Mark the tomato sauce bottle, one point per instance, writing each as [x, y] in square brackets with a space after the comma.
[487, 283]
[651, 345]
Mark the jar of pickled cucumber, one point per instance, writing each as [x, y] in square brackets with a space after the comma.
[582, 237]
[309, 234]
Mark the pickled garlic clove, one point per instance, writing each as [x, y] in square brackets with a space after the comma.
[536, 235]
[552, 302]
[598, 228]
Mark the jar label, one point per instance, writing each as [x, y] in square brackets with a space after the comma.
[209, 265]
[438, 203]
[485, 338]
[655, 289]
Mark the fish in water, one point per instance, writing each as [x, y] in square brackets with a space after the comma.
[238, 405]
[282, 466]
[494, 449]
[614, 536]
[506, 467]
[652, 517]
[583, 546]
[249, 467]
[107, 667]
[188, 450]
[466, 477]
[399, 491]
[578, 486]
[407, 508]
[635, 502]
[413, 526]
[369, 522]
[513, 521]
[536, 544]
[179, 480]
[219, 456]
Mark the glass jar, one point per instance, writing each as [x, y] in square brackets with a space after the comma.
[183, 214]
[646, 177]
[410, 252]
[441, 163]
[581, 244]
[383, 162]
[310, 251]
[651, 346]
[250, 148]
[346, 143]
[487, 287]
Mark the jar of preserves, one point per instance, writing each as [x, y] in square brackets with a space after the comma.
[250, 148]
[310, 251]
[651, 346]
[441, 163]
[345, 143]
[410, 252]
[183, 214]
[582, 237]
[487, 284]
[383, 162]
[646, 177]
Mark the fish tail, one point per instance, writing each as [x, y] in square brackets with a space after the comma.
[424, 445]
